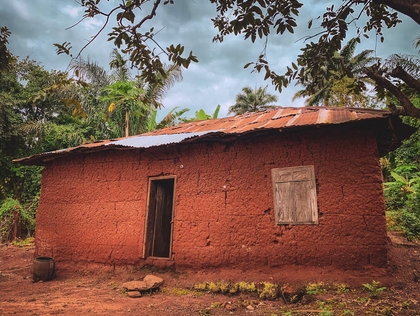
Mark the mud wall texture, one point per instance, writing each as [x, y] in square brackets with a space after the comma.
[93, 207]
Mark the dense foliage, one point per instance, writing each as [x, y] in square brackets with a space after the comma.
[44, 110]
[402, 183]
[259, 19]
[15, 220]
[333, 86]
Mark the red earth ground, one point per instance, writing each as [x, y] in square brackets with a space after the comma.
[84, 290]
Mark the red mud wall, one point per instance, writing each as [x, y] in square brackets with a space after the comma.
[93, 207]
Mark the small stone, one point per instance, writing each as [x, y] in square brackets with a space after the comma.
[153, 281]
[149, 282]
[250, 307]
[230, 307]
[133, 294]
[135, 286]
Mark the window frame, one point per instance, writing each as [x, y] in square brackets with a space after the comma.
[290, 183]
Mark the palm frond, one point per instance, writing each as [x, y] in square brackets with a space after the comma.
[410, 63]
[89, 72]
[155, 92]
[118, 65]
[252, 100]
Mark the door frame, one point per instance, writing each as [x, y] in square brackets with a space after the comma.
[151, 179]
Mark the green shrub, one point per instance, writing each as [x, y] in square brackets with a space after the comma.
[402, 198]
[269, 291]
[398, 192]
[12, 214]
[315, 288]
[374, 288]
[410, 221]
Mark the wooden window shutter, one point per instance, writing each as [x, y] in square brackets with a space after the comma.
[294, 192]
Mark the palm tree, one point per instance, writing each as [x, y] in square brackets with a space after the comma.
[118, 65]
[341, 81]
[154, 93]
[252, 101]
[125, 95]
[89, 72]
[128, 102]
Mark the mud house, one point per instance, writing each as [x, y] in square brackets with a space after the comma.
[291, 186]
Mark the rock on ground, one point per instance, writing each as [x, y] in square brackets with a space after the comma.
[149, 282]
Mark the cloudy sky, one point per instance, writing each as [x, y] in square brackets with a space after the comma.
[219, 75]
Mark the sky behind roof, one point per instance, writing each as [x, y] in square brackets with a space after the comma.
[216, 79]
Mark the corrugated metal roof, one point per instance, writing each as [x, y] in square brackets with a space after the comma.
[278, 118]
[146, 141]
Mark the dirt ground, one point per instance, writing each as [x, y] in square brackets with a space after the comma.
[84, 290]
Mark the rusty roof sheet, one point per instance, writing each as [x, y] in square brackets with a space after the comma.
[279, 118]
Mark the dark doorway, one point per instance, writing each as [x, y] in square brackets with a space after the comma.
[159, 218]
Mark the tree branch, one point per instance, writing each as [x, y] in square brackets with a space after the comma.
[147, 17]
[409, 8]
[400, 73]
[99, 32]
[408, 107]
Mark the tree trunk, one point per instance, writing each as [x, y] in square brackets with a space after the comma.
[16, 225]
[400, 73]
[126, 124]
[410, 8]
[408, 108]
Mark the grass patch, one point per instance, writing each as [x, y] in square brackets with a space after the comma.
[341, 288]
[264, 290]
[315, 288]
[180, 291]
[27, 242]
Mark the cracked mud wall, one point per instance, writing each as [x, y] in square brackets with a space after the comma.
[93, 207]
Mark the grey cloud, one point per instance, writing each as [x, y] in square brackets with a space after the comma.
[219, 75]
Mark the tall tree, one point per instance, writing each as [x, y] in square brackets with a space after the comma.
[258, 19]
[128, 102]
[5, 55]
[118, 65]
[252, 101]
[125, 95]
[87, 102]
[31, 112]
[11, 141]
[341, 81]
[155, 91]
[41, 102]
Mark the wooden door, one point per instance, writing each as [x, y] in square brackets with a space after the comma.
[159, 218]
